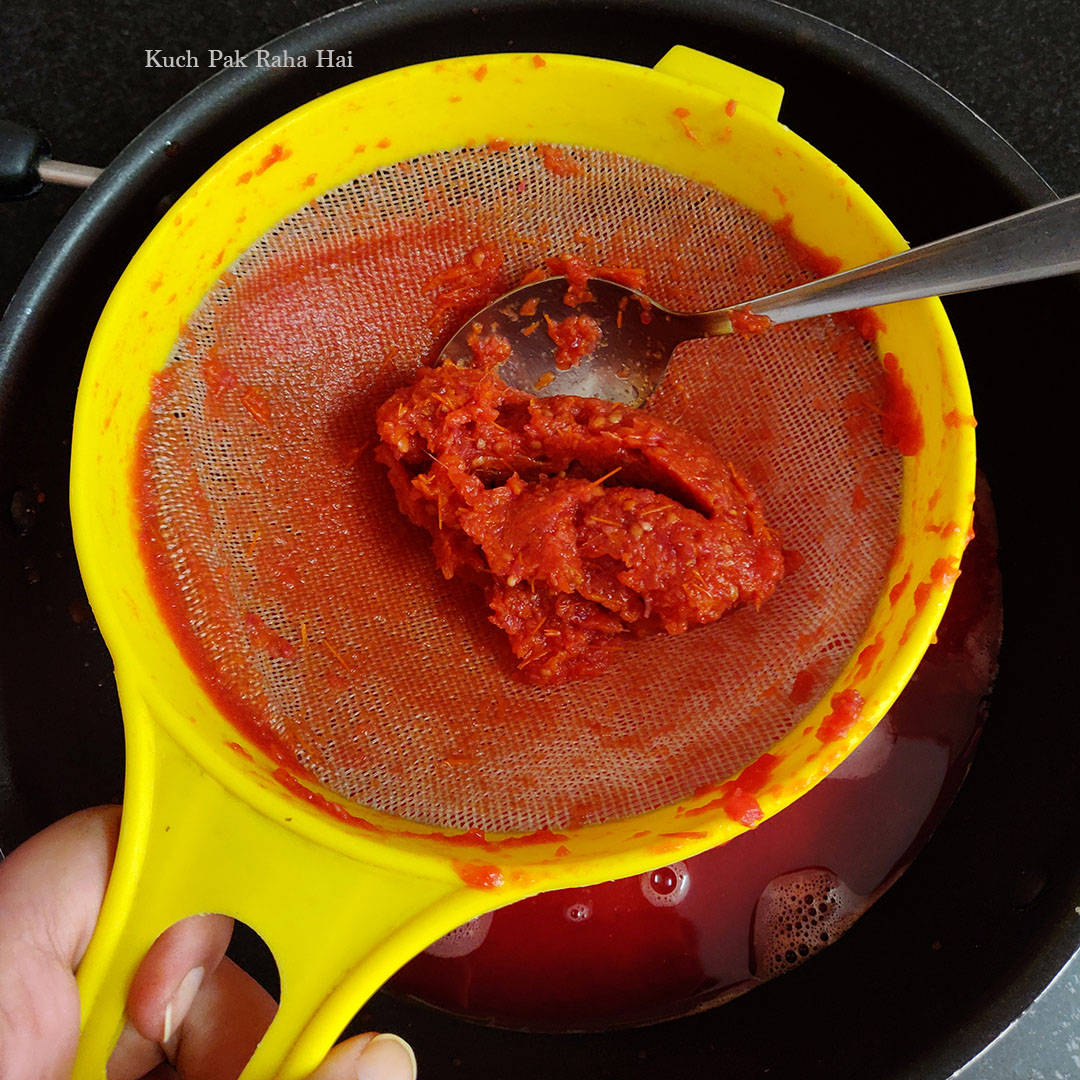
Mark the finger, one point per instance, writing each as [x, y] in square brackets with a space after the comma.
[230, 1015]
[168, 978]
[227, 1018]
[369, 1057]
[51, 889]
[163, 989]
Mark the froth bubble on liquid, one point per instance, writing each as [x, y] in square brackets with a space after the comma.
[870, 755]
[798, 915]
[667, 886]
[578, 912]
[463, 939]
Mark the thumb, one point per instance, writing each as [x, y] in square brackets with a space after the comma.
[369, 1057]
[50, 895]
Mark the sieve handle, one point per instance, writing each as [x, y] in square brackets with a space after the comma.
[1039, 243]
[337, 928]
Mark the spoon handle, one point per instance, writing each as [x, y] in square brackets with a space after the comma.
[1039, 243]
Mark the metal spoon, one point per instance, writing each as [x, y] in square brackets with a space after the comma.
[633, 352]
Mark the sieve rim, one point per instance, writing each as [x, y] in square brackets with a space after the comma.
[126, 644]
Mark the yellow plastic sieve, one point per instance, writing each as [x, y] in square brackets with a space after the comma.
[342, 893]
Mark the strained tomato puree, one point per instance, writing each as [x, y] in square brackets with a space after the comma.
[586, 523]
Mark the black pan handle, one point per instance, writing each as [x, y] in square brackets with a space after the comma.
[21, 148]
[25, 164]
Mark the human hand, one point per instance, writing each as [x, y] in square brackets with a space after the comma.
[191, 1011]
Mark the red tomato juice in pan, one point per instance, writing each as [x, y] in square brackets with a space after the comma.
[700, 932]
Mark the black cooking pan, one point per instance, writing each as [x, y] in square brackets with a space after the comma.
[986, 915]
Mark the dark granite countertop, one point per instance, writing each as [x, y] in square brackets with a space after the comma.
[77, 70]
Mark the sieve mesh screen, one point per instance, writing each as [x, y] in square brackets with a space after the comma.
[313, 610]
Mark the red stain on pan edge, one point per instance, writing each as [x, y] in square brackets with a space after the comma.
[899, 588]
[476, 838]
[479, 875]
[737, 797]
[868, 656]
[958, 419]
[813, 258]
[901, 422]
[942, 574]
[277, 153]
[847, 707]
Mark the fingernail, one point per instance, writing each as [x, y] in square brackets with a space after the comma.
[386, 1057]
[177, 1008]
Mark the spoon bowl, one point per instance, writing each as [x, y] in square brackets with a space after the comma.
[606, 340]
[635, 338]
